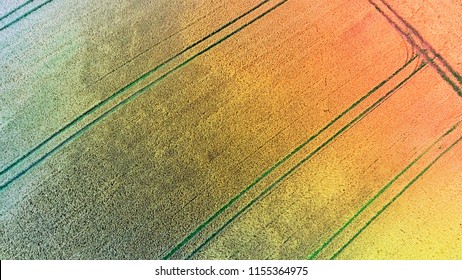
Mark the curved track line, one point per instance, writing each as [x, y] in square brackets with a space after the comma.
[424, 53]
[425, 50]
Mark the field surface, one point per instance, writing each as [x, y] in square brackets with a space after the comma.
[241, 129]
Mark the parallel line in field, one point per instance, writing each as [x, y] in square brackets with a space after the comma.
[397, 196]
[425, 50]
[16, 9]
[23, 15]
[380, 192]
[422, 46]
[271, 169]
[130, 97]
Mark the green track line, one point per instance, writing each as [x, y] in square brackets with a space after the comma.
[295, 167]
[23, 15]
[118, 93]
[423, 51]
[396, 197]
[379, 193]
[271, 169]
[16, 9]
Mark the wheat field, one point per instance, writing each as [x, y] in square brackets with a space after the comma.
[241, 129]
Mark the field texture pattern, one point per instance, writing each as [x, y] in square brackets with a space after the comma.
[240, 129]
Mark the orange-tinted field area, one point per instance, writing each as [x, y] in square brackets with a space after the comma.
[241, 129]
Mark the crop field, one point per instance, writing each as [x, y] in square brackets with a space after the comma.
[240, 129]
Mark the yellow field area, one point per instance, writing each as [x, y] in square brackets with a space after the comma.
[241, 129]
